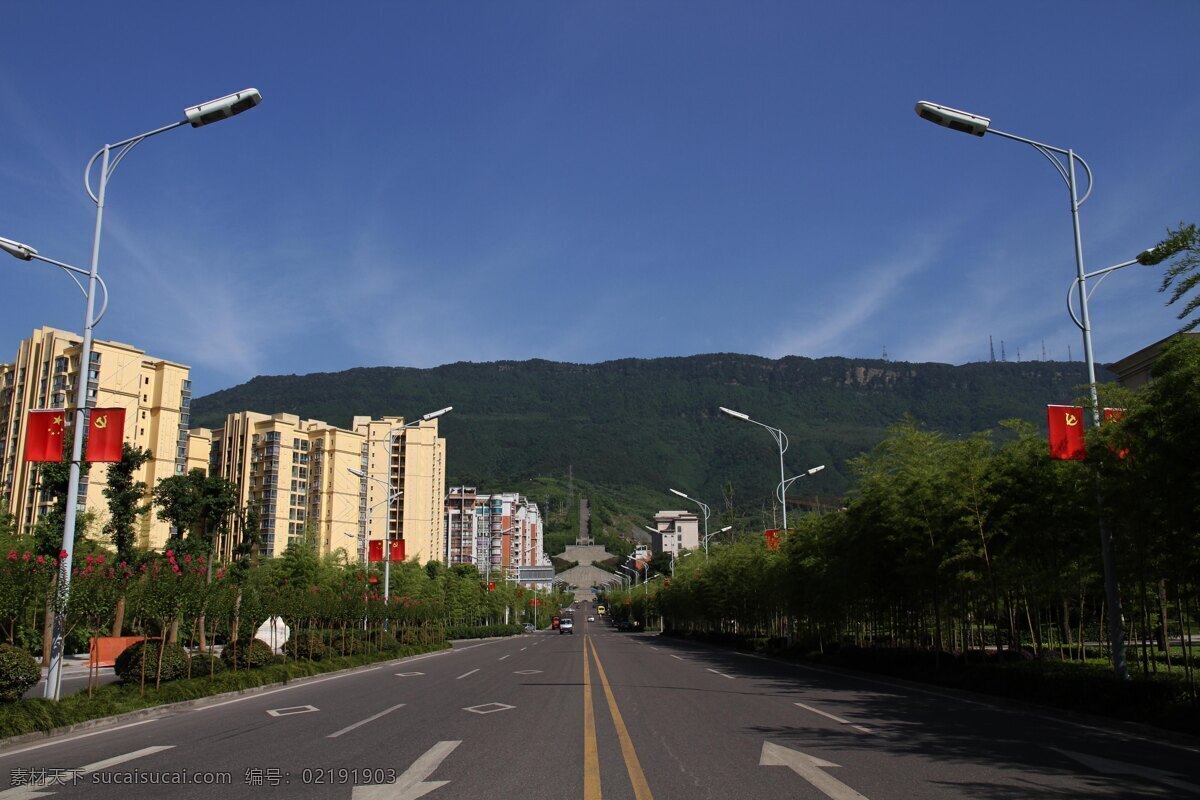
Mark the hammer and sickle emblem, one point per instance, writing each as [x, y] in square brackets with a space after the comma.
[102, 422]
[1071, 420]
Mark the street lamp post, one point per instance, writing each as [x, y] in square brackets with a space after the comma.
[197, 116]
[978, 126]
[704, 508]
[781, 439]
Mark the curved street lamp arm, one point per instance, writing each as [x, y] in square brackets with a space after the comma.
[125, 146]
[1100, 273]
[69, 269]
[1049, 151]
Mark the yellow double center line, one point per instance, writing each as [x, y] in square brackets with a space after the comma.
[591, 758]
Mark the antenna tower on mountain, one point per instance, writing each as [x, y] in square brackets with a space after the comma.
[992, 349]
[885, 358]
[1003, 357]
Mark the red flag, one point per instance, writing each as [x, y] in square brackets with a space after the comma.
[772, 537]
[397, 550]
[1066, 432]
[375, 550]
[44, 435]
[1116, 415]
[106, 432]
[491, 586]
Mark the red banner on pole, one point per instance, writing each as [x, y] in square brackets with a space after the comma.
[106, 433]
[375, 550]
[44, 431]
[772, 537]
[397, 550]
[1066, 432]
[1116, 416]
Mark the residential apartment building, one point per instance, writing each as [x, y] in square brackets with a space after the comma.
[403, 487]
[495, 532]
[677, 531]
[295, 473]
[156, 396]
[462, 526]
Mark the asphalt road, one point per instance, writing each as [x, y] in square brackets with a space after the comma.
[598, 714]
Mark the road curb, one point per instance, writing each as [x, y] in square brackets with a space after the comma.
[168, 709]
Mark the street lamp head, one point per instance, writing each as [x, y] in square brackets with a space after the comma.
[726, 528]
[222, 108]
[733, 413]
[356, 472]
[681, 494]
[438, 413]
[17, 249]
[952, 118]
[816, 469]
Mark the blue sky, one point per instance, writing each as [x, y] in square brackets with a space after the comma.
[433, 182]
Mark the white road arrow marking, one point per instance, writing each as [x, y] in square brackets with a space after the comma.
[1108, 766]
[412, 783]
[35, 790]
[809, 768]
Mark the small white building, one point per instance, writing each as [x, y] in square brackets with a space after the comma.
[676, 531]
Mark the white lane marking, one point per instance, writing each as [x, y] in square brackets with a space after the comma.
[412, 783]
[29, 790]
[286, 688]
[836, 719]
[465, 674]
[8, 753]
[1108, 766]
[722, 674]
[290, 710]
[809, 768]
[523, 648]
[675, 656]
[372, 718]
[504, 657]
[492, 708]
[408, 674]
[992, 706]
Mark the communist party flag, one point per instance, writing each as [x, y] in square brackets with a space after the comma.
[1112, 416]
[397, 550]
[1066, 432]
[772, 537]
[106, 432]
[44, 435]
[375, 550]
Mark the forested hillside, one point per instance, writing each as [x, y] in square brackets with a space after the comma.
[653, 424]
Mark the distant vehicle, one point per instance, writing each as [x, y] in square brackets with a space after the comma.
[591, 619]
[600, 610]
[530, 627]
[554, 624]
[567, 625]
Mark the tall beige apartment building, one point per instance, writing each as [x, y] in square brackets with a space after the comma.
[411, 460]
[301, 476]
[156, 396]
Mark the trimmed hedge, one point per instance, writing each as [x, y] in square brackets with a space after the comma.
[482, 631]
[250, 653]
[129, 664]
[18, 671]
[302, 645]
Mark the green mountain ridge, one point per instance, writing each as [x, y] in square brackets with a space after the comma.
[654, 423]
